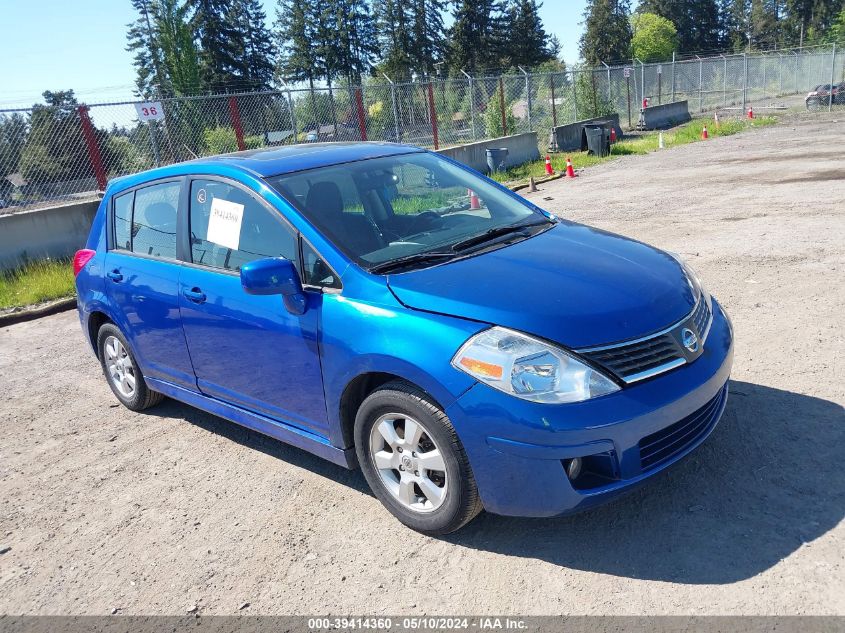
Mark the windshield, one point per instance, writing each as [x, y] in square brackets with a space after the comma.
[397, 207]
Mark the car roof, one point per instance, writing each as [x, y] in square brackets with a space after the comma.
[282, 160]
[270, 161]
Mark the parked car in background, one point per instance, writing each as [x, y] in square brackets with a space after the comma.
[388, 308]
[820, 96]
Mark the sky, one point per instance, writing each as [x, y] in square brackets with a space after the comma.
[60, 45]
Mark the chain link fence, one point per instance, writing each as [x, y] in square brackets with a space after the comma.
[50, 153]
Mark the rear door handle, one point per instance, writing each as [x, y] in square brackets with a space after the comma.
[194, 294]
[114, 275]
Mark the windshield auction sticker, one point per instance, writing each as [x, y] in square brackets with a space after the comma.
[224, 225]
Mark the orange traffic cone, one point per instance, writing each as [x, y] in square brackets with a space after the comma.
[549, 169]
[750, 112]
[716, 119]
[704, 135]
[473, 200]
[570, 172]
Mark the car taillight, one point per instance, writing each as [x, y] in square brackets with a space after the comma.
[81, 258]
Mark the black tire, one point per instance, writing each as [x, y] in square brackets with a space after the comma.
[143, 397]
[461, 503]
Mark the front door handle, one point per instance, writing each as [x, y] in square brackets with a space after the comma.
[115, 275]
[194, 294]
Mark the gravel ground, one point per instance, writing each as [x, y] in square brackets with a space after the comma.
[152, 513]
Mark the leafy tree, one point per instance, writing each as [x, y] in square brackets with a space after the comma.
[13, 131]
[528, 44]
[607, 36]
[654, 37]
[697, 21]
[493, 116]
[55, 149]
[765, 23]
[735, 23]
[478, 35]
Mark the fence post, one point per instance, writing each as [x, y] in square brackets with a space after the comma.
[745, 81]
[725, 81]
[527, 93]
[433, 114]
[93, 148]
[502, 107]
[796, 70]
[290, 109]
[832, 78]
[780, 74]
[395, 110]
[607, 68]
[471, 103]
[554, 105]
[700, 84]
[235, 115]
[673, 76]
[362, 121]
[574, 96]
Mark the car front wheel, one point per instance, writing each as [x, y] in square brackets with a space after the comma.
[413, 460]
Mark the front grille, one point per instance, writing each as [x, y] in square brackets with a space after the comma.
[647, 357]
[628, 361]
[663, 445]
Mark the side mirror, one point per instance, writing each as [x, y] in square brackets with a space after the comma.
[275, 276]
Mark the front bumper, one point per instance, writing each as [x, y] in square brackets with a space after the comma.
[517, 448]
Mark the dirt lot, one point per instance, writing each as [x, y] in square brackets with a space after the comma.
[151, 513]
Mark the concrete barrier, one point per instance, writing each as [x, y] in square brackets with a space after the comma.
[569, 137]
[522, 148]
[54, 232]
[663, 116]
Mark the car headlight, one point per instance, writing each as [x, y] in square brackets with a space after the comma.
[529, 368]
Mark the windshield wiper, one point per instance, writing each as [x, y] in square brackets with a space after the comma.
[495, 232]
[416, 258]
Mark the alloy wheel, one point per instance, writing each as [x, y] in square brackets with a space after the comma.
[408, 462]
[121, 371]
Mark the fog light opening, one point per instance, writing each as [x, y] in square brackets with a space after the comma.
[573, 468]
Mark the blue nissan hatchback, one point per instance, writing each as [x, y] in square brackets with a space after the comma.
[384, 307]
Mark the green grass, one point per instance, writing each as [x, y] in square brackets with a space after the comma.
[634, 145]
[36, 282]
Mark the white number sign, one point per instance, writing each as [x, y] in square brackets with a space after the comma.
[149, 111]
[224, 225]
[627, 72]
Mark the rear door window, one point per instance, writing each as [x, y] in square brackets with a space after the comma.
[154, 220]
[229, 227]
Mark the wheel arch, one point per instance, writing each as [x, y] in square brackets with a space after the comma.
[359, 388]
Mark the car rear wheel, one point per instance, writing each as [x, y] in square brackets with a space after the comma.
[413, 460]
[122, 372]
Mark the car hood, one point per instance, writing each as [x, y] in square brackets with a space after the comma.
[572, 284]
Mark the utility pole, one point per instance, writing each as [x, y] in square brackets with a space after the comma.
[471, 102]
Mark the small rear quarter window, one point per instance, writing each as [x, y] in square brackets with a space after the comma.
[122, 221]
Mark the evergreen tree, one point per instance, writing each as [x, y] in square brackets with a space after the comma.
[607, 36]
[428, 34]
[395, 37]
[697, 21]
[296, 32]
[478, 35]
[142, 43]
[735, 23]
[219, 40]
[346, 39]
[256, 51]
[180, 62]
[528, 43]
